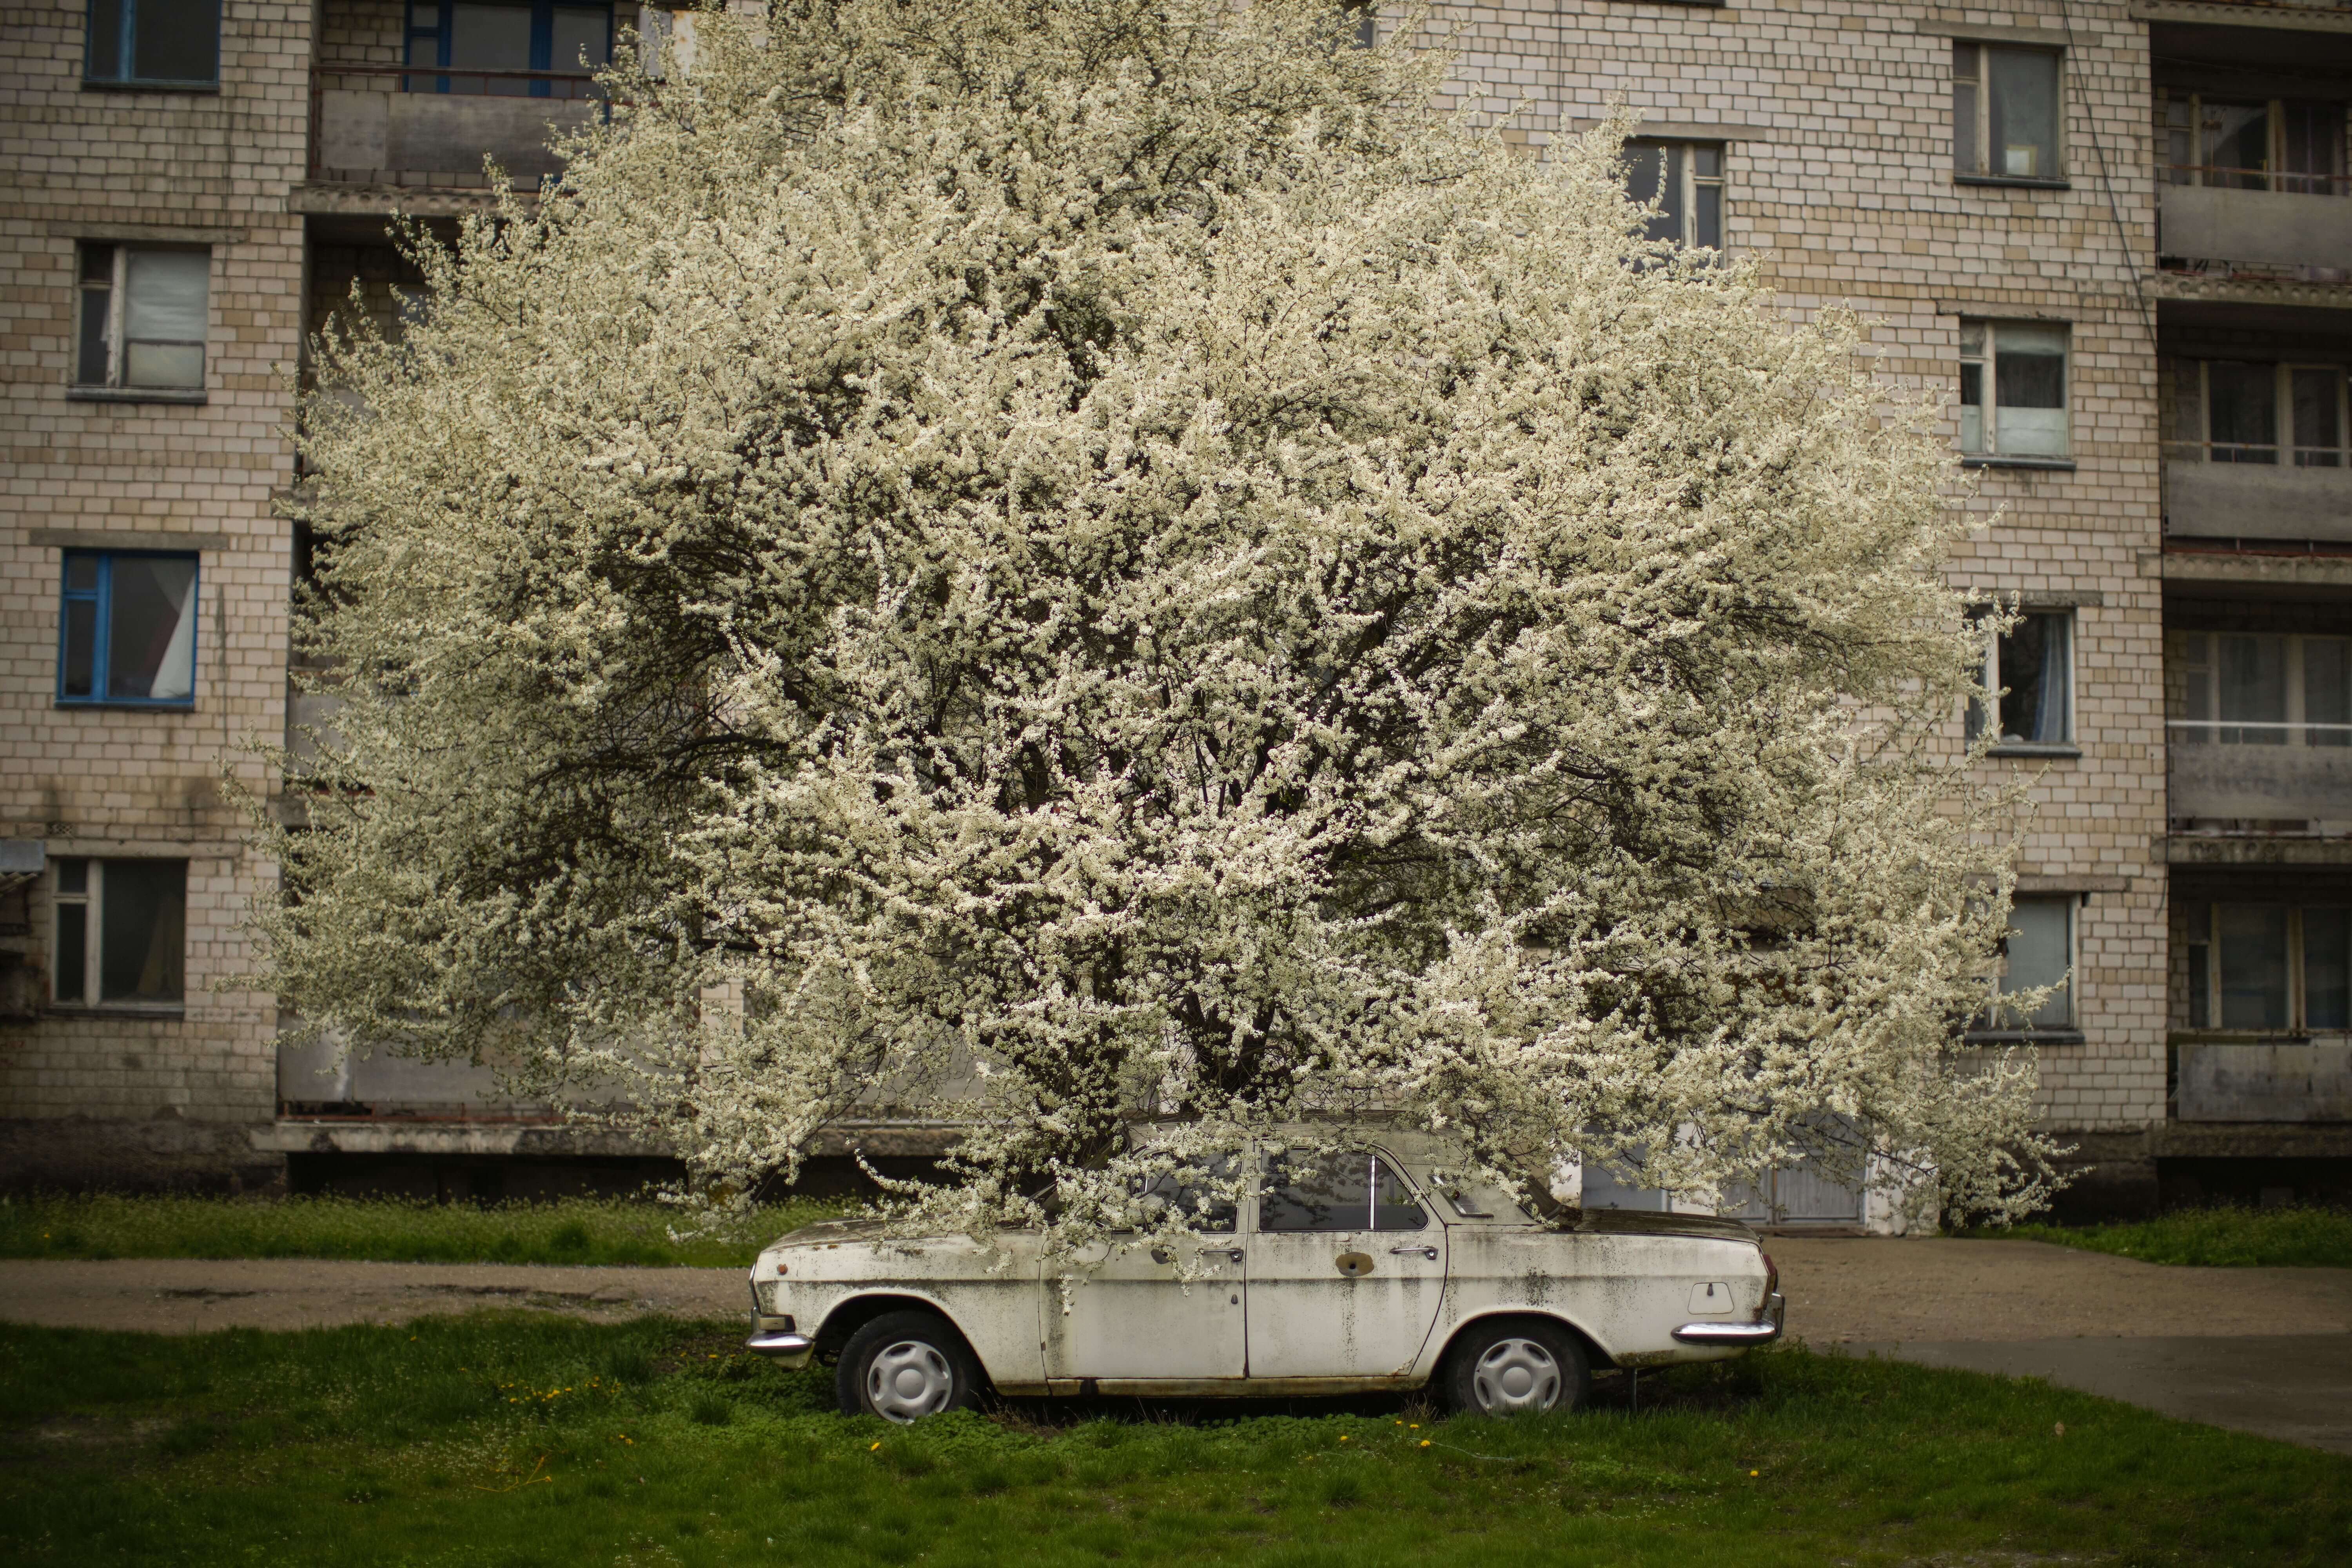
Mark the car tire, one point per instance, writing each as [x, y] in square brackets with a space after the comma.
[1516, 1366]
[903, 1366]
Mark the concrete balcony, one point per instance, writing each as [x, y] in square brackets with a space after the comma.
[328, 1073]
[392, 126]
[2254, 228]
[2256, 500]
[2307, 1082]
[2294, 787]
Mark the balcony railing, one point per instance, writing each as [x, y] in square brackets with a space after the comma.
[2291, 778]
[2225, 490]
[2284, 221]
[2220, 177]
[407, 125]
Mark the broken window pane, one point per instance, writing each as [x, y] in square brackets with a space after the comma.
[2031, 663]
[2252, 940]
[2022, 87]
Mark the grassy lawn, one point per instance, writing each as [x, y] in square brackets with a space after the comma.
[512, 1441]
[2216, 1238]
[574, 1230]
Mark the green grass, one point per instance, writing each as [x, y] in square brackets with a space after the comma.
[2216, 1238]
[509, 1441]
[572, 1231]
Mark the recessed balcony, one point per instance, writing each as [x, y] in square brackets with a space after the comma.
[2245, 499]
[2261, 778]
[2257, 227]
[389, 125]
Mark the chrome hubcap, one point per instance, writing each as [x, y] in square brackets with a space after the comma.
[908, 1380]
[1515, 1377]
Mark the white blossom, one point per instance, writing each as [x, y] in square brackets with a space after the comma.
[1045, 563]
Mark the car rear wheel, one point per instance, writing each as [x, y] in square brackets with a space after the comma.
[1516, 1366]
[903, 1366]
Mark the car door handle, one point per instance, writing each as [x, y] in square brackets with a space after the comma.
[1428, 1252]
[1235, 1253]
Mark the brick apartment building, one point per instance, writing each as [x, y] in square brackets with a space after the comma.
[2115, 233]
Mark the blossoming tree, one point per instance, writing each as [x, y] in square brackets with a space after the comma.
[1051, 563]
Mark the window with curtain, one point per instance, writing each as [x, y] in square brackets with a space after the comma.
[2006, 112]
[120, 932]
[2257, 688]
[127, 629]
[1685, 180]
[2030, 670]
[143, 313]
[153, 43]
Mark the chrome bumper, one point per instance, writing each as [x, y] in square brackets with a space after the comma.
[786, 1349]
[1762, 1332]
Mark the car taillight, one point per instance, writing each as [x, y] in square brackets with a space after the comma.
[1771, 1276]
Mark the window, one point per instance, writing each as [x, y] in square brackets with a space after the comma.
[484, 40]
[2249, 688]
[2038, 951]
[153, 43]
[2005, 115]
[127, 628]
[2022, 365]
[1196, 1194]
[143, 313]
[1336, 1192]
[1363, 22]
[2031, 668]
[2254, 411]
[2251, 144]
[1685, 179]
[2270, 967]
[121, 932]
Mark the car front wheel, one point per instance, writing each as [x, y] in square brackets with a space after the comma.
[903, 1366]
[1516, 1366]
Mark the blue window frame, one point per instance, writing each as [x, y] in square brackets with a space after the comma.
[509, 36]
[153, 43]
[127, 628]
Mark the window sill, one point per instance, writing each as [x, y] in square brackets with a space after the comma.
[2012, 183]
[198, 88]
[170, 1010]
[2035, 748]
[121, 705]
[2025, 1037]
[135, 394]
[1994, 460]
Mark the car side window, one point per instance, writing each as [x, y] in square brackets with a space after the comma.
[1336, 1192]
[1207, 1211]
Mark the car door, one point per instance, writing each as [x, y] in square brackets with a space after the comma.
[1129, 1317]
[1347, 1268]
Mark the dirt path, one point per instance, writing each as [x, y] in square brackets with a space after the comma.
[192, 1296]
[1858, 1291]
[1874, 1290]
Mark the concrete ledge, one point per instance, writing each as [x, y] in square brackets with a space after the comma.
[2251, 849]
[2250, 570]
[158, 1154]
[556, 1140]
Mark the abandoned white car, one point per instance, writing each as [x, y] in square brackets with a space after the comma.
[1347, 1273]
